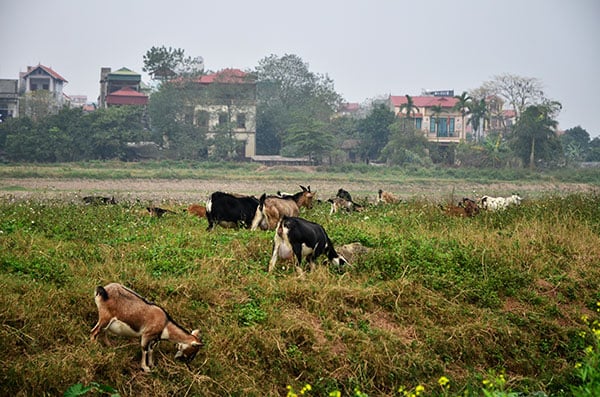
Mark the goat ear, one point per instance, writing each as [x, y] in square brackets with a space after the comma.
[303, 188]
[196, 344]
[196, 332]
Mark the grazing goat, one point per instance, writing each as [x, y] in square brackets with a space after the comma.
[298, 238]
[303, 198]
[230, 210]
[97, 200]
[386, 197]
[198, 210]
[123, 312]
[344, 194]
[340, 203]
[343, 200]
[158, 212]
[499, 203]
[271, 209]
[465, 208]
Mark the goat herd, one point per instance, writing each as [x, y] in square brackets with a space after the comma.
[124, 312]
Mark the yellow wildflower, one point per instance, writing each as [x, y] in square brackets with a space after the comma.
[419, 389]
[443, 381]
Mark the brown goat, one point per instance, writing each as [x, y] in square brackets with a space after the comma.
[386, 197]
[124, 312]
[198, 210]
[271, 209]
[465, 208]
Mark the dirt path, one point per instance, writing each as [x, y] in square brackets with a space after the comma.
[193, 190]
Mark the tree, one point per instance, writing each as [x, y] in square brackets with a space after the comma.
[479, 113]
[406, 145]
[166, 63]
[534, 134]
[287, 89]
[463, 102]
[407, 109]
[374, 131]
[38, 104]
[171, 111]
[518, 91]
[575, 142]
[308, 137]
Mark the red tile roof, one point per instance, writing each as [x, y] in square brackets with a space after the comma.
[425, 101]
[126, 96]
[225, 76]
[48, 70]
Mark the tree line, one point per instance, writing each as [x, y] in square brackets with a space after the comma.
[296, 115]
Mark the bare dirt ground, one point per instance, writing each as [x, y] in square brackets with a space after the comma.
[182, 191]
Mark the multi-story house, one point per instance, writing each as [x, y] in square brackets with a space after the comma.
[230, 104]
[42, 77]
[435, 115]
[121, 87]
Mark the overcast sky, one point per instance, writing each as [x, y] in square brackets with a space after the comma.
[369, 48]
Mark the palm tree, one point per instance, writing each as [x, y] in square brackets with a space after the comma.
[409, 107]
[479, 113]
[462, 106]
[535, 129]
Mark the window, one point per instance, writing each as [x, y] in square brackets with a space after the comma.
[222, 118]
[451, 126]
[418, 123]
[432, 124]
[202, 119]
[241, 120]
[45, 87]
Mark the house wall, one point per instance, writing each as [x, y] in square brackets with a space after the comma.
[246, 135]
[9, 98]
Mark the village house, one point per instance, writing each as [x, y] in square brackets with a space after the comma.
[230, 103]
[121, 87]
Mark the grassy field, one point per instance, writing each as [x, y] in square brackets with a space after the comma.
[500, 302]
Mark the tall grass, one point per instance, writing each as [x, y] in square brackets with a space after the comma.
[501, 293]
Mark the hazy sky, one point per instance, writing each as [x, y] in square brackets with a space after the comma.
[369, 48]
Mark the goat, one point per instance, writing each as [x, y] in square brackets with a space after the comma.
[198, 210]
[465, 208]
[499, 203]
[124, 312]
[386, 197]
[97, 200]
[158, 212]
[271, 209]
[340, 203]
[343, 199]
[298, 238]
[303, 198]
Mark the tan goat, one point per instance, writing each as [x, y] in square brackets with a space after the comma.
[386, 197]
[123, 312]
[271, 209]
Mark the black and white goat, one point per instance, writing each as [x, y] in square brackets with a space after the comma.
[124, 312]
[297, 238]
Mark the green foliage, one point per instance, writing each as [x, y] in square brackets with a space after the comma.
[79, 389]
[71, 135]
[374, 131]
[288, 92]
[533, 136]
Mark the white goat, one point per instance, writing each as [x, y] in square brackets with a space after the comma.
[499, 203]
[124, 312]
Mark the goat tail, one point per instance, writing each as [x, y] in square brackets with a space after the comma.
[100, 291]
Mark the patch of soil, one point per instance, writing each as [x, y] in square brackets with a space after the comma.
[185, 191]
